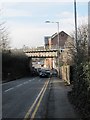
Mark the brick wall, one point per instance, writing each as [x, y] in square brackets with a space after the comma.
[62, 39]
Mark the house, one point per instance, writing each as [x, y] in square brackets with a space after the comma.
[65, 42]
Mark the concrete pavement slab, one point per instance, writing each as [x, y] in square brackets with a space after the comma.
[58, 103]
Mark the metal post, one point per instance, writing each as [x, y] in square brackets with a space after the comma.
[75, 24]
[58, 50]
[58, 46]
[89, 30]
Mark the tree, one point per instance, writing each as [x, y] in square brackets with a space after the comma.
[4, 37]
[81, 72]
[79, 52]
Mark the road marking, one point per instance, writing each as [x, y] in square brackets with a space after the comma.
[10, 82]
[16, 86]
[29, 111]
[33, 105]
[38, 104]
[8, 89]
[19, 85]
[25, 82]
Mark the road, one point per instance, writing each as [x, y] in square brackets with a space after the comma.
[23, 98]
[36, 98]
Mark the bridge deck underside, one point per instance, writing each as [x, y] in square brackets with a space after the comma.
[42, 54]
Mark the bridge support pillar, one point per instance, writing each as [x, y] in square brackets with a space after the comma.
[30, 64]
[50, 63]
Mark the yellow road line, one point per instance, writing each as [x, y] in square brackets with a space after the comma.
[31, 108]
[38, 104]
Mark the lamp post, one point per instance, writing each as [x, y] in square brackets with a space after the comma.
[75, 15]
[58, 45]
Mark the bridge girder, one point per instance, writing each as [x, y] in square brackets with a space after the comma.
[42, 53]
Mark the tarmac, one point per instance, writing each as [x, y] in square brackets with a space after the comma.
[58, 102]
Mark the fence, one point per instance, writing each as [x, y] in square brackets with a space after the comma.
[65, 73]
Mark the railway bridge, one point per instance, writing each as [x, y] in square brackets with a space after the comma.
[42, 53]
[49, 54]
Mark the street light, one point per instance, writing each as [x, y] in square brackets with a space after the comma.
[58, 44]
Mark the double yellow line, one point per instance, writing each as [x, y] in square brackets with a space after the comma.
[33, 109]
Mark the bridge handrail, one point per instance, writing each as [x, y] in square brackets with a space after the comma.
[43, 50]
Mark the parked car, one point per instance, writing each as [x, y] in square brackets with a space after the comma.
[54, 73]
[45, 73]
[34, 71]
[39, 70]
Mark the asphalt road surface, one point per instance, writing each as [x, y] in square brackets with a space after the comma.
[36, 98]
[23, 98]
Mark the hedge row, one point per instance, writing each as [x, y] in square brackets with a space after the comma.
[15, 64]
[80, 94]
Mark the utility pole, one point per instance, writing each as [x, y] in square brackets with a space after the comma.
[58, 51]
[75, 13]
[58, 45]
[89, 30]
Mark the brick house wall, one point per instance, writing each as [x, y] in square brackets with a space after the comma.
[62, 39]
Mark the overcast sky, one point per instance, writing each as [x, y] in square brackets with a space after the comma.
[26, 20]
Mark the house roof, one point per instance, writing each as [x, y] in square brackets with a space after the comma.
[55, 35]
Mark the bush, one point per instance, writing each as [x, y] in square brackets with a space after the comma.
[80, 94]
[14, 65]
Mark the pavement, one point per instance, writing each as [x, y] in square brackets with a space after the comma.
[58, 103]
